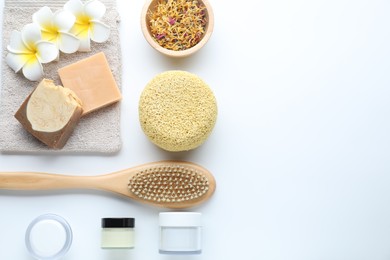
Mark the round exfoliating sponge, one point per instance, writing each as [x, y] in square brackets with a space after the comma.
[177, 111]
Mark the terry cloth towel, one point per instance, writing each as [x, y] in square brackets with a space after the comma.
[98, 132]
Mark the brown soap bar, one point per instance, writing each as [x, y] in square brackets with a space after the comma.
[92, 81]
[50, 113]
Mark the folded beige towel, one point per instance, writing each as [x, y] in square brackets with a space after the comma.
[98, 132]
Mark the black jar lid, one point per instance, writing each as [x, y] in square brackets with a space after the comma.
[118, 222]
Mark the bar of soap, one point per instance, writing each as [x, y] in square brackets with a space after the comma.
[92, 81]
[50, 113]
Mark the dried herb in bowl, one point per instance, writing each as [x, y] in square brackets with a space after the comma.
[178, 24]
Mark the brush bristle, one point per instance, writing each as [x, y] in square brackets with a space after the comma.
[173, 184]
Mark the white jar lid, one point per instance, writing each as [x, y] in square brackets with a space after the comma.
[180, 219]
[48, 237]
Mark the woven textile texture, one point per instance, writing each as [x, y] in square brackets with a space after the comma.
[98, 132]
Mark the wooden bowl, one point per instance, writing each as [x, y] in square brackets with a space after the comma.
[150, 5]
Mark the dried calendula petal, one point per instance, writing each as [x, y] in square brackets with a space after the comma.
[178, 24]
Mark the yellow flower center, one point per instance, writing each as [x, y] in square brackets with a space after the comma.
[30, 59]
[82, 25]
[50, 33]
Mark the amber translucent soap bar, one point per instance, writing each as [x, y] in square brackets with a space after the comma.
[92, 80]
[50, 113]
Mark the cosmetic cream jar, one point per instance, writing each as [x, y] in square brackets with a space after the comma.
[117, 233]
[48, 237]
[180, 233]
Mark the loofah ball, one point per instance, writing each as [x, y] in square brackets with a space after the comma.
[177, 111]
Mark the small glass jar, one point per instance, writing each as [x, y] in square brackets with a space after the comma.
[48, 237]
[117, 233]
[180, 233]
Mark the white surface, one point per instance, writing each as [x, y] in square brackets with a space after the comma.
[300, 150]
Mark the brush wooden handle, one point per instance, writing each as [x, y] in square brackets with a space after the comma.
[44, 181]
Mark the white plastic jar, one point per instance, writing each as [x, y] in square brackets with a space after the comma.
[48, 237]
[117, 233]
[180, 233]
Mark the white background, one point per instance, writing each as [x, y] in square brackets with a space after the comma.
[300, 150]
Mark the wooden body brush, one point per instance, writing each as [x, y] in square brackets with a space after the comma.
[168, 184]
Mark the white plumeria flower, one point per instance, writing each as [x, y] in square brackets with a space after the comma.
[27, 52]
[88, 25]
[55, 28]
